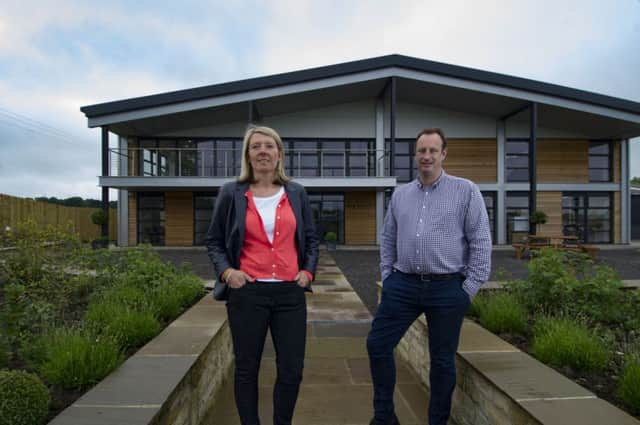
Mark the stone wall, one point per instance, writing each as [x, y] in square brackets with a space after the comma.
[173, 380]
[499, 384]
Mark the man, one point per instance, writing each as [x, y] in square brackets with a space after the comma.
[435, 253]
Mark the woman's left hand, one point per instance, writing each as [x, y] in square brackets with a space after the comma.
[302, 279]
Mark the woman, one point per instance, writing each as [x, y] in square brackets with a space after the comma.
[263, 244]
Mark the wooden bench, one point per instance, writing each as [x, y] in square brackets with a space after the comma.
[561, 242]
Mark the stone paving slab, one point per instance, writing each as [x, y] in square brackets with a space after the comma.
[107, 415]
[141, 380]
[474, 337]
[578, 412]
[523, 377]
[176, 341]
[336, 388]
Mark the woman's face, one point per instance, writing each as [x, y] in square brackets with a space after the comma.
[263, 153]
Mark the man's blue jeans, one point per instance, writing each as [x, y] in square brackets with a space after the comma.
[404, 297]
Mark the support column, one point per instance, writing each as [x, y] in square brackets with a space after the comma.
[105, 172]
[533, 187]
[501, 212]
[379, 155]
[123, 195]
[392, 126]
[625, 193]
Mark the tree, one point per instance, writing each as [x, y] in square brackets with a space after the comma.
[635, 181]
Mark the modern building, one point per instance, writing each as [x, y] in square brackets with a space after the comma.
[349, 130]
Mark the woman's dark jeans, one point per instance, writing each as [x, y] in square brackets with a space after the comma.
[253, 309]
[404, 298]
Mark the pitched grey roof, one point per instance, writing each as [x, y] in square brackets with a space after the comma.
[358, 66]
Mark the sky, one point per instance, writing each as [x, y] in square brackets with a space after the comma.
[56, 56]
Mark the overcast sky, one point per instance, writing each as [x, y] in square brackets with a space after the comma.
[56, 56]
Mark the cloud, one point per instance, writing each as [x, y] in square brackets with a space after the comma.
[64, 54]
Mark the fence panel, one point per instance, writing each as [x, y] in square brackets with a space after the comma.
[13, 210]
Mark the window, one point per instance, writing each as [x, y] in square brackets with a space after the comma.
[517, 208]
[202, 212]
[587, 215]
[190, 157]
[490, 203]
[600, 161]
[151, 218]
[517, 160]
[403, 159]
[328, 214]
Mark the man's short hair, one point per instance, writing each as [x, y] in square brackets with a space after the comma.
[437, 131]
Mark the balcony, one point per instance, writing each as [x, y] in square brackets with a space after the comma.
[199, 168]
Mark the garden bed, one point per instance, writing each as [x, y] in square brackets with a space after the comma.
[575, 317]
[70, 314]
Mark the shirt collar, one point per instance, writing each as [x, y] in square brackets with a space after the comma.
[442, 177]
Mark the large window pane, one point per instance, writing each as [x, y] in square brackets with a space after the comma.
[151, 218]
[203, 204]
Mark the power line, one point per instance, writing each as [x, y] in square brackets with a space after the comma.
[40, 132]
[26, 123]
[30, 121]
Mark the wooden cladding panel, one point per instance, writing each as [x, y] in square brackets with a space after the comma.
[563, 161]
[617, 230]
[132, 159]
[360, 217]
[179, 218]
[551, 204]
[133, 219]
[474, 159]
[615, 163]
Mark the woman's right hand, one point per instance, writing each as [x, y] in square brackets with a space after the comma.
[237, 278]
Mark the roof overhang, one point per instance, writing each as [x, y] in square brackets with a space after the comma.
[418, 81]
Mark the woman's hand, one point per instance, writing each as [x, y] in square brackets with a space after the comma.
[302, 279]
[237, 278]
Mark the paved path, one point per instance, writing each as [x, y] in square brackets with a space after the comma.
[336, 388]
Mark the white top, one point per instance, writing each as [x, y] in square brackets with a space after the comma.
[267, 210]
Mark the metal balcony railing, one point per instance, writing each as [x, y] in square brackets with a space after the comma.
[190, 162]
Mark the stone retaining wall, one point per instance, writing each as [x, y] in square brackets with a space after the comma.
[171, 380]
[499, 384]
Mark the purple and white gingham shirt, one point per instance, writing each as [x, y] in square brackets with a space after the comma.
[442, 228]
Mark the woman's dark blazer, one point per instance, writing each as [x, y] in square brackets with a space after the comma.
[226, 233]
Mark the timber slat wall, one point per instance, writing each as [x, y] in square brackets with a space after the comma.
[179, 218]
[473, 159]
[563, 161]
[360, 218]
[551, 204]
[133, 219]
[14, 210]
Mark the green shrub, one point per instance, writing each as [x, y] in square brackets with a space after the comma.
[563, 342]
[629, 385]
[170, 299]
[570, 284]
[5, 351]
[24, 399]
[75, 359]
[130, 327]
[500, 312]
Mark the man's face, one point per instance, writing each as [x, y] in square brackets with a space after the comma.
[429, 155]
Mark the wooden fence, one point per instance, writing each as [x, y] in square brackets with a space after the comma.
[14, 210]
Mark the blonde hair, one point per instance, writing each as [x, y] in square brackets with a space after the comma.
[246, 172]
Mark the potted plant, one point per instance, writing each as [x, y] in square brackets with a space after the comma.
[331, 238]
[537, 217]
[100, 218]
